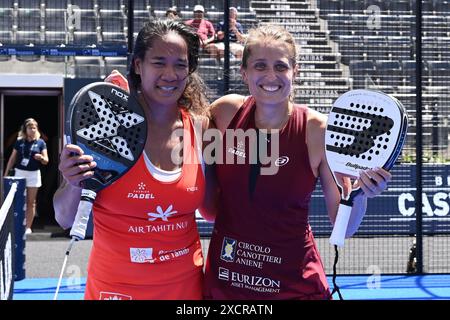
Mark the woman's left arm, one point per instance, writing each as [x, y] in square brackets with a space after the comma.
[42, 157]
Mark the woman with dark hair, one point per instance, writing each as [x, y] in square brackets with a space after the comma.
[146, 244]
[29, 153]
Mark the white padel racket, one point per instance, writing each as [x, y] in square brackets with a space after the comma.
[365, 129]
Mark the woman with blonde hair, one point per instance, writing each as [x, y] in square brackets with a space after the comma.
[262, 245]
[29, 153]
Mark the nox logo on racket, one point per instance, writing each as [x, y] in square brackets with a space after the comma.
[111, 122]
[120, 94]
[356, 132]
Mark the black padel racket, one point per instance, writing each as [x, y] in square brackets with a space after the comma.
[365, 129]
[109, 124]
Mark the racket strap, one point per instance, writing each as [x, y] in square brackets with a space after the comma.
[80, 224]
[335, 286]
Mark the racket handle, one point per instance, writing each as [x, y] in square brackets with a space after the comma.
[340, 226]
[80, 224]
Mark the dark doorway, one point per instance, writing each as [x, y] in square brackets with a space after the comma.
[45, 109]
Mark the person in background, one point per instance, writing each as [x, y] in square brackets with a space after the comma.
[29, 153]
[236, 36]
[172, 13]
[205, 30]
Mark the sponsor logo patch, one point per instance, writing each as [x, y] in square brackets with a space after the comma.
[114, 296]
[141, 255]
[228, 249]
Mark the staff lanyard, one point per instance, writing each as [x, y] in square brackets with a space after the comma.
[31, 149]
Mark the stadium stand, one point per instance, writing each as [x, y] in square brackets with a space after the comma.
[87, 5]
[112, 26]
[88, 67]
[113, 5]
[55, 4]
[320, 62]
[115, 63]
[335, 37]
[380, 52]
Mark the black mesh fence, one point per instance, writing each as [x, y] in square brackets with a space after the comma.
[435, 123]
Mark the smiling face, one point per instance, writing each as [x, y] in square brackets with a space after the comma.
[269, 72]
[164, 70]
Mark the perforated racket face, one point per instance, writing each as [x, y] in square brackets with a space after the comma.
[108, 124]
[365, 129]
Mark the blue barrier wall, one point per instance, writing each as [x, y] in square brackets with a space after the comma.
[18, 207]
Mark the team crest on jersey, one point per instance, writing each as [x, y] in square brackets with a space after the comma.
[140, 193]
[141, 255]
[192, 189]
[228, 249]
[239, 150]
[224, 274]
[114, 296]
[161, 214]
[281, 161]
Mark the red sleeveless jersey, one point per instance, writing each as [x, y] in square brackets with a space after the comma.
[262, 246]
[146, 244]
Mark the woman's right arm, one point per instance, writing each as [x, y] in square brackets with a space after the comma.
[222, 112]
[75, 167]
[11, 162]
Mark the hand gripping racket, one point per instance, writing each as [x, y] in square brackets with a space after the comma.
[109, 124]
[365, 129]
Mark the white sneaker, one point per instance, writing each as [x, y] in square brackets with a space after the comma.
[28, 231]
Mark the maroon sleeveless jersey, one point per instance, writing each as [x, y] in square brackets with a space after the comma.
[262, 246]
